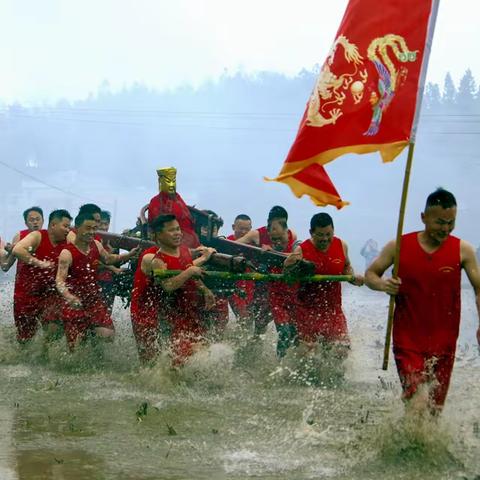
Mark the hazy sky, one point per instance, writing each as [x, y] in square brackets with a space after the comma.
[65, 48]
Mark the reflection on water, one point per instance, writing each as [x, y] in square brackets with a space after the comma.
[232, 412]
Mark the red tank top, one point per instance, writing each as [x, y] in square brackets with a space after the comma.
[82, 275]
[104, 274]
[283, 288]
[163, 204]
[264, 239]
[184, 301]
[327, 295]
[40, 280]
[247, 287]
[21, 235]
[144, 291]
[427, 311]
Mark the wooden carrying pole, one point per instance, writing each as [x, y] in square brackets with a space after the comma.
[258, 277]
[401, 218]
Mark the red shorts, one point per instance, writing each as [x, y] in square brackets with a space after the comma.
[313, 324]
[78, 321]
[283, 308]
[415, 369]
[241, 299]
[29, 310]
[216, 318]
[186, 333]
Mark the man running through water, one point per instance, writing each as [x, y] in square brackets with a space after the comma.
[281, 295]
[147, 296]
[260, 305]
[427, 301]
[76, 281]
[107, 273]
[33, 218]
[91, 209]
[184, 294]
[320, 315]
[35, 297]
[241, 299]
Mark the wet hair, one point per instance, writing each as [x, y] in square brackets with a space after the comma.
[158, 224]
[281, 221]
[83, 217]
[442, 198]
[58, 215]
[105, 216]
[321, 220]
[242, 216]
[277, 212]
[89, 208]
[32, 209]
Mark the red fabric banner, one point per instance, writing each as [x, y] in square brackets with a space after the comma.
[364, 99]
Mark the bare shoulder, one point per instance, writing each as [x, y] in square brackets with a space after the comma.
[157, 263]
[65, 256]
[147, 258]
[390, 246]
[71, 236]
[467, 250]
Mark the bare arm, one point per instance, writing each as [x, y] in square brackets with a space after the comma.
[176, 282]
[9, 259]
[64, 263]
[206, 253]
[208, 295]
[25, 248]
[250, 238]
[294, 257]
[146, 265]
[113, 258]
[3, 252]
[374, 273]
[358, 280]
[470, 265]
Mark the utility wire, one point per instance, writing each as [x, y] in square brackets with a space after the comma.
[35, 179]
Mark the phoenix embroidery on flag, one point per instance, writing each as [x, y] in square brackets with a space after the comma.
[365, 96]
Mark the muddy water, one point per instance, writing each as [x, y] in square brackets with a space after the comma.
[233, 413]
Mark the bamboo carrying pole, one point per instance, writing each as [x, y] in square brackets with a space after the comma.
[401, 218]
[259, 277]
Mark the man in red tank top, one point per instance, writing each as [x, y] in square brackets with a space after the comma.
[35, 297]
[427, 301]
[169, 202]
[281, 295]
[147, 297]
[181, 295]
[259, 237]
[240, 301]
[76, 281]
[260, 305]
[33, 218]
[91, 209]
[319, 304]
[107, 274]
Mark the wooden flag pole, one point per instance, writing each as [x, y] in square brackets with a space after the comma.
[401, 218]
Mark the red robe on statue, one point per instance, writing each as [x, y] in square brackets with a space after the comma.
[163, 204]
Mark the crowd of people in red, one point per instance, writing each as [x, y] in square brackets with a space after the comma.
[65, 274]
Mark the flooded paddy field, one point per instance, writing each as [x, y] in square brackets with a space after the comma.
[233, 412]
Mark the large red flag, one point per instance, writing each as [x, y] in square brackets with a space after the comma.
[365, 97]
